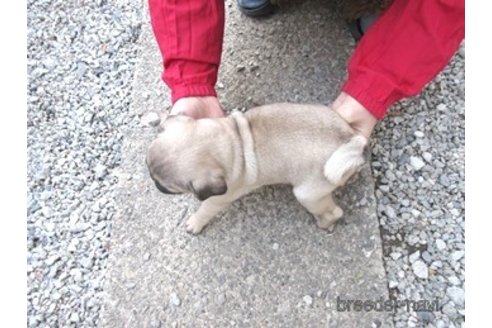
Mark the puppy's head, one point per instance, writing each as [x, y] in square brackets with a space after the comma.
[181, 159]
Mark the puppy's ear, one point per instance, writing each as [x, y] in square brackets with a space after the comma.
[208, 187]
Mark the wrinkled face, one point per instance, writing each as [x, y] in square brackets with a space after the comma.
[180, 160]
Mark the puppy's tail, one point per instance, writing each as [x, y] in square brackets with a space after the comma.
[345, 161]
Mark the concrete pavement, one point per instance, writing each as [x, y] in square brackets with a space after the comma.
[264, 262]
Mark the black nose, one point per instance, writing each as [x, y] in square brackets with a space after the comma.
[164, 189]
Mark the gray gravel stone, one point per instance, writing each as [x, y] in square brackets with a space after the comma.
[390, 212]
[440, 244]
[449, 309]
[174, 299]
[454, 280]
[442, 107]
[308, 300]
[420, 269]
[457, 255]
[462, 51]
[425, 316]
[155, 323]
[100, 170]
[444, 180]
[87, 262]
[427, 156]
[417, 163]
[426, 256]
[457, 295]
[52, 259]
[221, 299]
[32, 206]
[47, 212]
[395, 255]
[74, 317]
[413, 257]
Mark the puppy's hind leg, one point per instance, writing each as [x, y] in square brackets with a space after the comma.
[321, 205]
[328, 219]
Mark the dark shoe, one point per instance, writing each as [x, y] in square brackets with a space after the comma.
[360, 26]
[255, 8]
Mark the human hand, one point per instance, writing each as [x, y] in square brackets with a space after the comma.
[198, 107]
[356, 115]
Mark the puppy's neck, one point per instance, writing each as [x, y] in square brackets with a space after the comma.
[247, 145]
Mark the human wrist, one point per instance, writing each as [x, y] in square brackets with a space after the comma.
[355, 114]
[198, 107]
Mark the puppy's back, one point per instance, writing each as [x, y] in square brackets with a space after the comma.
[290, 122]
[290, 138]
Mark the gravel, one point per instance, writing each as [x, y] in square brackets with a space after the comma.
[457, 295]
[308, 300]
[440, 244]
[174, 299]
[413, 257]
[418, 164]
[81, 59]
[420, 269]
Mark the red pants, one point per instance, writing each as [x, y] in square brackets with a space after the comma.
[409, 44]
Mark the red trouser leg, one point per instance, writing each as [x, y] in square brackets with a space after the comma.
[407, 47]
[190, 35]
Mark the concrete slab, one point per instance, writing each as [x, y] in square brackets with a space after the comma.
[264, 262]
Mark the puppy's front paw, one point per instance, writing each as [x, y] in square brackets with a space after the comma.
[337, 213]
[194, 226]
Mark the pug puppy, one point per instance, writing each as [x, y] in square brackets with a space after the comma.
[219, 160]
